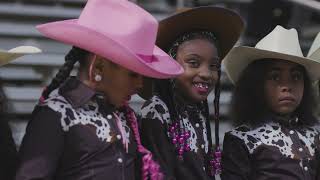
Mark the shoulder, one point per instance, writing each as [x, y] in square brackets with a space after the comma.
[315, 128]
[311, 131]
[244, 130]
[70, 116]
[253, 137]
[155, 108]
[56, 102]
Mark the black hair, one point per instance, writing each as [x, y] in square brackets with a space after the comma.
[248, 105]
[3, 102]
[74, 55]
[206, 35]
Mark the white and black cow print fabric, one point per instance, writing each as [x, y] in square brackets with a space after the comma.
[87, 114]
[273, 134]
[157, 110]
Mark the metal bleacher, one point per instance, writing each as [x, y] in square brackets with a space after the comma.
[24, 78]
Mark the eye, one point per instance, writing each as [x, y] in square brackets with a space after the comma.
[273, 76]
[214, 66]
[193, 63]
[297, 76]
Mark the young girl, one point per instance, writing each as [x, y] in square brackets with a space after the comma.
[82, 127]
[277, 134]
[175, 121]
[8, 152]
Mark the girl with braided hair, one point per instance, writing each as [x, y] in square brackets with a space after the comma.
[175, 120]
[82, 127]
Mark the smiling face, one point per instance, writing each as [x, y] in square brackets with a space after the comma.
[200, 61]
[284, 87]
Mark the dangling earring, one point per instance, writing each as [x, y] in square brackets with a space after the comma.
[97, 77]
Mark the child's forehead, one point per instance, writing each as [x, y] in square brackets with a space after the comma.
[280, 64]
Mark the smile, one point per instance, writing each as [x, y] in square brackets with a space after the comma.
[201, 87]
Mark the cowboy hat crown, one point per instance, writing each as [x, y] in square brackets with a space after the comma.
[281, 40]
[125, 22]
[314, 51]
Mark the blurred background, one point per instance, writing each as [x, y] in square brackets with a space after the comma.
[23, 80]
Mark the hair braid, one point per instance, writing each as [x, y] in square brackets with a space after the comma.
[150, 168]
[74, 55]
[216, 108]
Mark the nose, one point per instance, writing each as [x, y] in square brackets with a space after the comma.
[205, 73]
[286, 86]
[208, 74]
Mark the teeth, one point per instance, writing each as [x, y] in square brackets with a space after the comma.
[202, 85]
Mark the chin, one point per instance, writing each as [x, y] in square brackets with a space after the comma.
[199, 99]
[285, 111]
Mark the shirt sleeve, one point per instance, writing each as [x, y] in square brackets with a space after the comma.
[317, 157]
[235, 159]
[8, 152]
[41, 147]
[154, 137]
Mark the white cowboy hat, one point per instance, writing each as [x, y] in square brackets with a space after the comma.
[282, 44]
[314, 51]
[12, 54]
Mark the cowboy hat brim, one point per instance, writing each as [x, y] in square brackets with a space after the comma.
[12, 54]
[225, 24]
[159, 65]
[240, 57]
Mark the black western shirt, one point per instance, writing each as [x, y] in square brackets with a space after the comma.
[74, 136]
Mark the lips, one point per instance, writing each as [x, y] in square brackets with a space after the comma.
[287, 99]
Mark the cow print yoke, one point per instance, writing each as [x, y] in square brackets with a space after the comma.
[88, 115]
[291, 143]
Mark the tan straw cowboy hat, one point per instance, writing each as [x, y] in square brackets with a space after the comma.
[12, 54]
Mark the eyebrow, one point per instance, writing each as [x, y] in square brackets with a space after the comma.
[215, 58]
[295, 68]
[275, 69]
[194, 55]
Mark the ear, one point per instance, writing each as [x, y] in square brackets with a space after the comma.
[96, 68]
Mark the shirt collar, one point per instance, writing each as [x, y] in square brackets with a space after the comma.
[286, 121]
[76, 92]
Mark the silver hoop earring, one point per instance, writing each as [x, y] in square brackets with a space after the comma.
[97, 77]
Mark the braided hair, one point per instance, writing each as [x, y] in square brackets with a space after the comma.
[161, 89]
[74, 55]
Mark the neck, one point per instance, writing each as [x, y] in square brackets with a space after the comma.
[284, 116]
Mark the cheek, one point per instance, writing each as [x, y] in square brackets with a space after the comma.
[300, 91]
[215, 77]
[270, 93]
[180, 82]
[186, 77]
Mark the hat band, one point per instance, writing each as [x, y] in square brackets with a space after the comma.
[147, 58]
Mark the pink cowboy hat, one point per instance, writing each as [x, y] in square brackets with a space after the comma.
[119, 31]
